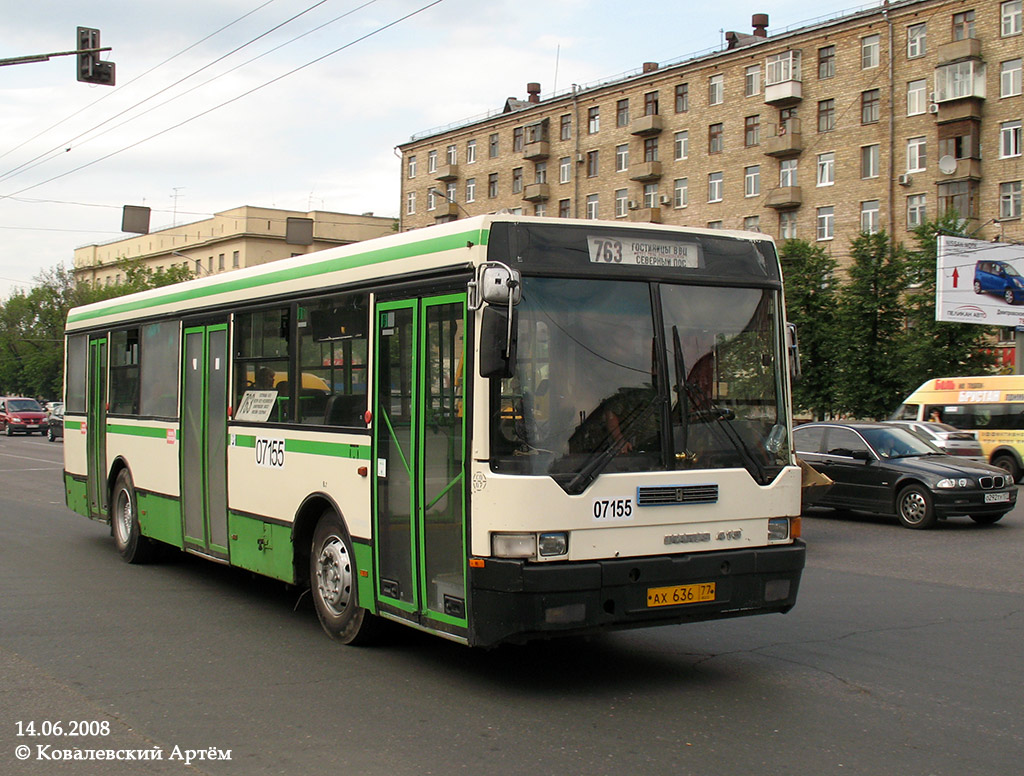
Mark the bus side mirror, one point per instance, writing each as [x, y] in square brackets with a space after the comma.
[793, 351]
[498, 342]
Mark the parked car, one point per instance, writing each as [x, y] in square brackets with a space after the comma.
[21, 415]
[948, 439]
[878, 467]
[55, 423]
[999, 277]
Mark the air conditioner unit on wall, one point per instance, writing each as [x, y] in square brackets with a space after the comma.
[905, 180]
[631, 204]
[933, 108]
[665, 199]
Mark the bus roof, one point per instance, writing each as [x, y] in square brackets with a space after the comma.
[430, 248]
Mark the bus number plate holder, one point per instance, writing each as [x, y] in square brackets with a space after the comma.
[678, 595]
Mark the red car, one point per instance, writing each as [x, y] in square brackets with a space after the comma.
[21, 415]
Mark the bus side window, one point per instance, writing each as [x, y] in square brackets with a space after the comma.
[906, 412]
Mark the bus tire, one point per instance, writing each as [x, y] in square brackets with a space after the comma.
[332, 581]
[1007, 462]
[124, 522]
[914, 507]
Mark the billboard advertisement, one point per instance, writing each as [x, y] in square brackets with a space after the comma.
[979, 282]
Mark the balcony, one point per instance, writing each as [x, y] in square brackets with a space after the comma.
[783, 94]
[650, 215]
[956, 110]
[445, 211]
[536, 151]
[646, 126]
[965, 169]
[785, 197]
[536, 192]
[646, 171]
[958, 50]
[787, 140]
[447, 172]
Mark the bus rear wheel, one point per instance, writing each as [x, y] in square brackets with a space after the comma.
[332, 580]
[1007, 462]
[124, 522]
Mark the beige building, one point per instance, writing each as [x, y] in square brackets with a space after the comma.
[241, 237]
[877, 119]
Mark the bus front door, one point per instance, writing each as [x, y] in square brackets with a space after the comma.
[420, 461]
[204, 415]
[96, 429]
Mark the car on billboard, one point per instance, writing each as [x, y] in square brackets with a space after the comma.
[999, 278]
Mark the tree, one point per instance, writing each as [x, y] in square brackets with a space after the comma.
[811, 298]
[937, 348]
[871, 321]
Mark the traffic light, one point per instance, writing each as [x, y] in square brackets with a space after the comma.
[90, 68]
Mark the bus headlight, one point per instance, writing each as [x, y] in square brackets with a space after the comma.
[553, 544]
[514, 545]
[778, 529]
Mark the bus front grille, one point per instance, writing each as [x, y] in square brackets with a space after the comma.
[676, 494]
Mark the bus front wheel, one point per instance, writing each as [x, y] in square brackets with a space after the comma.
[124, 521]
[332, 580]
[1008, 463]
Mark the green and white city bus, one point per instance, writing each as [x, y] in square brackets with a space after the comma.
[495, 429]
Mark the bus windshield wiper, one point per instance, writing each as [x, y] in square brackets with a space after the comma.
[599, 461]
[679, 363]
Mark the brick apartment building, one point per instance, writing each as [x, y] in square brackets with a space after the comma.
[876, 119]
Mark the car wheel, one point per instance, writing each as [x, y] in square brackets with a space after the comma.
[124, 522]
[977, 287]
[7, 429]
[1009, 296]
[914, 507]
[987, 519]
[1007, 462]
[332, 579]
[50, 436]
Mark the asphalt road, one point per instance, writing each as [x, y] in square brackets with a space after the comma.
[903, 656]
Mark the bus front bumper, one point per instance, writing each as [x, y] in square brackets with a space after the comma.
[514, 600]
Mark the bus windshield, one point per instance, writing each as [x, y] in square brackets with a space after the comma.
[637, 376]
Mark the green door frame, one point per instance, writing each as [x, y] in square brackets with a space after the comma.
[96, 428]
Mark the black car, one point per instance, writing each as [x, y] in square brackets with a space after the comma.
[878, 467]
[55, 423]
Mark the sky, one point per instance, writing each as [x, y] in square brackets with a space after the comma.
[292, 104]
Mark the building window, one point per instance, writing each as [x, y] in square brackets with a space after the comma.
[917, 97]
[682, 98]
[651, 149]
[787, 225]
[1010, 78]
[563, 208]
[451, 156]
[621, 202]
[870, 161]
[651, 104]
[540, 172]
[869, 51]
[752, 224]
[432, 161]
[682, 144]
[959, 139]
[492, 146]
[517, 140]
[915, 211]
[681, 192]
[565, 127]
[492, 185]
[960, 79]
[540, 209]
[869, 220]
[715, 187]
[622, 113]
[592, 206]
[235, 255]
[826, 62]
[650, 195]
[780, 68]
[470, 152]
[752, 181]
[1010, 18]
[470, 189]
[826, 115]
[564, 169]
[826, 223]
[450, 191]
[1009, 139]
[716, 89]
[963, 25]
[869, 106]
[1009, 198]
[715, 132]
[431, 199]
[752, 81]
[787, 172]
[622, 157]
[220, 262]
[916, 156]
[917, 40]
[593, 120]
[715, 225]
[412, 166]
[827, 168]
[592, 164]
[517, 180]
[751, 131]
[958, 196]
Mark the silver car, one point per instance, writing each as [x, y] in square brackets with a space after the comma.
[954, 441]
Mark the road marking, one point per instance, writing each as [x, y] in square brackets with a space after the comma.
[27, 458]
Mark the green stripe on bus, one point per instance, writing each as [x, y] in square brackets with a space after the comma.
[332, 449]
[390, 253]
[72, 424]
[142, 431]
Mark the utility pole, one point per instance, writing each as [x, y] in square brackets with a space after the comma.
[88, 65]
